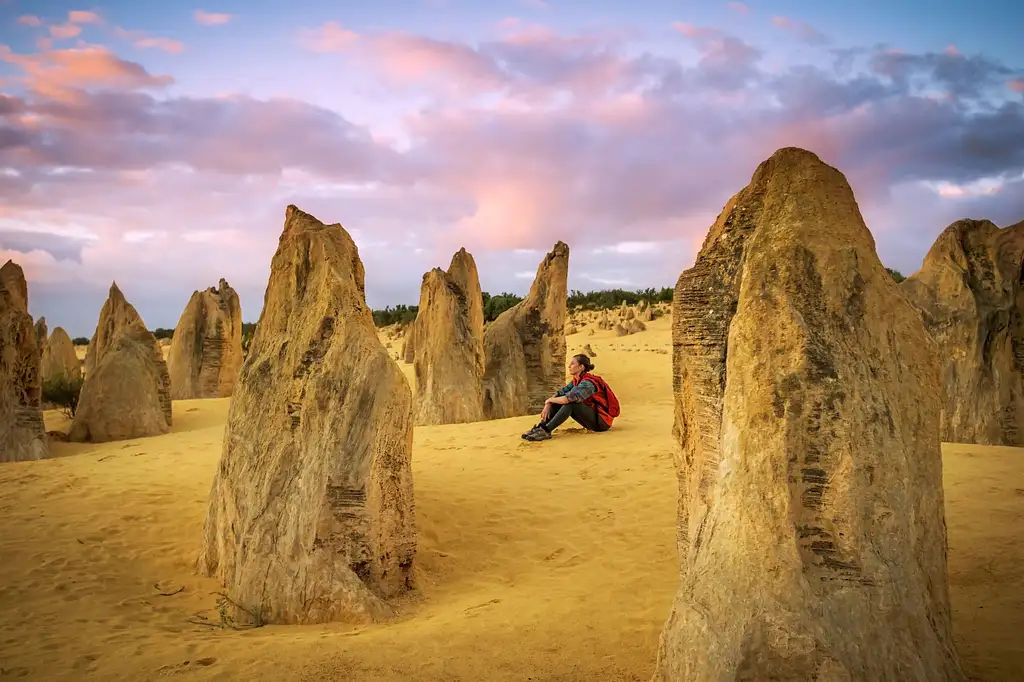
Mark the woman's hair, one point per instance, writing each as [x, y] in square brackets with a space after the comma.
[585, 361]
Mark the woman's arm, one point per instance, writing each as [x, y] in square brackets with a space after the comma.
[577, 394]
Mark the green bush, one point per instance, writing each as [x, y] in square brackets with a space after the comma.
[62, 392]
[896, 275]
[496, 305]
[403, 314]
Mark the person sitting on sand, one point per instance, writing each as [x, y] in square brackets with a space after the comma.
[587, 398]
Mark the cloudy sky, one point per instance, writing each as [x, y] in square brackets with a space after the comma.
[158, 143]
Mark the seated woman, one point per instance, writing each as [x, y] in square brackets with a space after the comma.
[587, 399]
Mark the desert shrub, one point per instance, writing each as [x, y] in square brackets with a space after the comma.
[496, 305]
[80, 341]
[607, 299]
[62, 392]
[403, 314]
[248, 329]
[162, 333]
[896, 275]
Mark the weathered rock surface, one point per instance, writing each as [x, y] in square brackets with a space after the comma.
[41, 333]
[59, 357]
[206, 349]
[126, 392]
[811, 525]
[971, 294]
[524, 348]
[311, 514]
[409, 345]
[22, 436]
[449, 353]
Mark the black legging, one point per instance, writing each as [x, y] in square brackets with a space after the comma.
[584, 415]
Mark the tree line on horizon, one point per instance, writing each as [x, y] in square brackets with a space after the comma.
[604, 299]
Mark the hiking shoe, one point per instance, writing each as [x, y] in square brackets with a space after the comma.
[536, 427]
[538, 434]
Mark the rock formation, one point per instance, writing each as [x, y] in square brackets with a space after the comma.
[409, 345]
[525, 346]
[126, 393]
[59, 358]
[811, 526]
[206, 349]
[22, 436]
[311, 513]
[449, 353]
[41, 333]
[971, 295]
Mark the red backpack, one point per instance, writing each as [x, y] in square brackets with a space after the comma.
[612, 402]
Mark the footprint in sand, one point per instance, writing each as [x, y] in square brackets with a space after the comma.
[480, 606]
[183, 667]
[554, 555]
[16, 671]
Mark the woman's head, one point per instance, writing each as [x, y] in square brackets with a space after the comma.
[580, 364]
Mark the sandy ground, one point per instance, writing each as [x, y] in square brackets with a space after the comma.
[548, 561]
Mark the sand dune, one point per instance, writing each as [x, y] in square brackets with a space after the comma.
[546, 561]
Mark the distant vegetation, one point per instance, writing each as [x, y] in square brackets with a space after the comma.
[63, 392]
[496, 305]
[400, 314]
[405, 314]
[80, 341]
[613, 298]
[247, 331]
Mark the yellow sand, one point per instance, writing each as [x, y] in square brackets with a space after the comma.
[546, 561]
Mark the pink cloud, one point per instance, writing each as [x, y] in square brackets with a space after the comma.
[529, 63]
[165, 44]
[30, 20]
[84, 17]
[801, 29]
[723, 56]
[53, 73]
[410, 59]
[739, 7]
[331, 37]
[695, 32]
[952, 50]
[210, 18]
[1017, 84]
[64, 31]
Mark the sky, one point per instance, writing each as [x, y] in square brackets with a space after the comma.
[157, 144]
